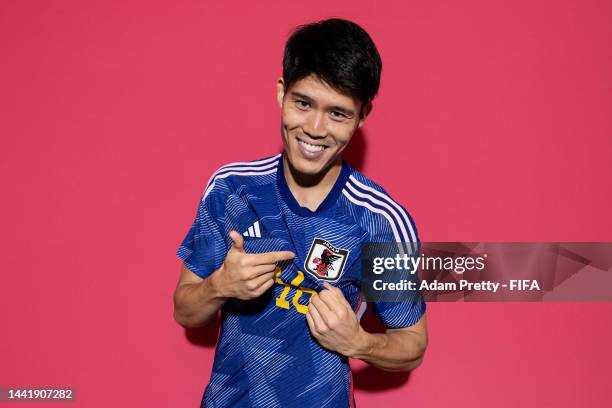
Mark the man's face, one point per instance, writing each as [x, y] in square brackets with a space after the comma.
[317, 123]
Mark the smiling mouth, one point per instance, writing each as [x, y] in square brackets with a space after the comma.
[309, 147]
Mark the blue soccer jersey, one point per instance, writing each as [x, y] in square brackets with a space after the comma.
[266, 356]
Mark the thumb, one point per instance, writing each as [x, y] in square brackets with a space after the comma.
[238, 241]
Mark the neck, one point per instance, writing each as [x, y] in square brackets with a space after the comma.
[310, 190]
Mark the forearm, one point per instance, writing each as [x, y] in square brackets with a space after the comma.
[391, 351]
[196, 304]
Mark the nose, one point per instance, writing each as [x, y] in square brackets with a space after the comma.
[315, 125]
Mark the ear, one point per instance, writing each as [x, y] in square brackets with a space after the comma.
[365, 111]
[280, 91]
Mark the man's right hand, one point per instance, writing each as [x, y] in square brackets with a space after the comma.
[246, 276]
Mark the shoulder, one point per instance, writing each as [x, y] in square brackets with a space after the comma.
[227, 178]
[379, 213]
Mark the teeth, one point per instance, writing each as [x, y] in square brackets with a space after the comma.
[311, 148]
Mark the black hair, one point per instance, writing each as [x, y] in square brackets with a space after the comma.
[337, 51]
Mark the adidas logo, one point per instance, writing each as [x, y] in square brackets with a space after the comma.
[253, 231]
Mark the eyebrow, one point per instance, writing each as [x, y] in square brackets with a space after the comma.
[347, 112]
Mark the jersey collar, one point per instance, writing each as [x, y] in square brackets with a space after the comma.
[327, 203]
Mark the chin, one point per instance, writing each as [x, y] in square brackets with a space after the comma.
[304, 166]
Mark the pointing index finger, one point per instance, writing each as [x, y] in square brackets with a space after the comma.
[272, 257]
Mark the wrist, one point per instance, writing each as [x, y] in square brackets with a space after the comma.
[364, 344]
[214, 283]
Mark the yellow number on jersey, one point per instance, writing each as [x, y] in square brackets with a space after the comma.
[281, 301]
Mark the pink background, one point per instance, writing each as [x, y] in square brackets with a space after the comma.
[115, 113]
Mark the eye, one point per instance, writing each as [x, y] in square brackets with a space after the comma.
[338, 115]
[302, 104]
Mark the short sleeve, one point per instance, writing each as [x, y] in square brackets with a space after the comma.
[395, 315]
[204, 248]
[410, 306]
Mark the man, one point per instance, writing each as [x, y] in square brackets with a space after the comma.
[276, 243]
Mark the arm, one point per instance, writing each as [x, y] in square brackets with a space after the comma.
[334, 324]
[196, 300]
[396, 349]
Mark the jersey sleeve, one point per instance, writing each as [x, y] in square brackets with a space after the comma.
[204, 247]
[408, 309]
[395, 315]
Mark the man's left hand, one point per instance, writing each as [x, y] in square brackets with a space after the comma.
[333, 322]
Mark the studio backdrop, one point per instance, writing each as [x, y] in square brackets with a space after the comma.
[492, 124]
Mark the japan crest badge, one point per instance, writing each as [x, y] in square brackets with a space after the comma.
[325, 261]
